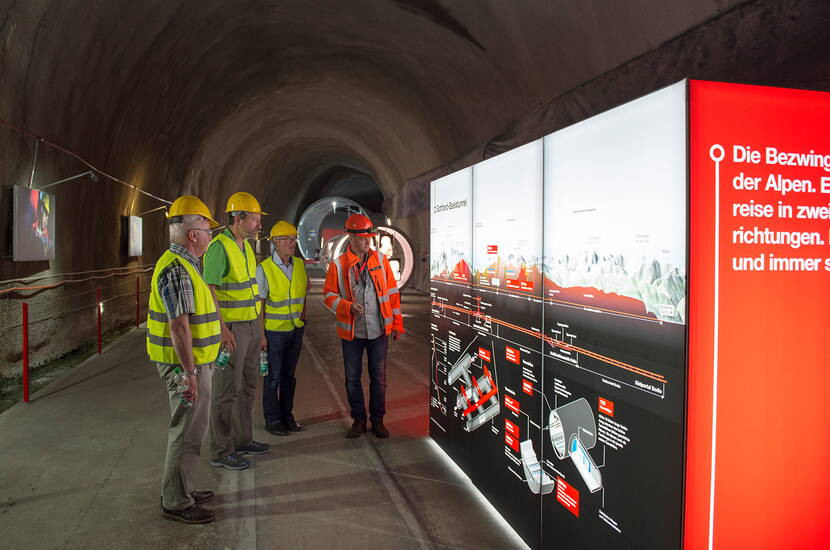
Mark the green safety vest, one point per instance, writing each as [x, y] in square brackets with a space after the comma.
[204, 322]
[285, 301]
[238, 293]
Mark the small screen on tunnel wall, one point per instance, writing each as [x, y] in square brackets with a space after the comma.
[34, 225]
[135, 243]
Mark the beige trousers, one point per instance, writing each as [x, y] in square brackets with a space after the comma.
[185, 434]
[232, 406]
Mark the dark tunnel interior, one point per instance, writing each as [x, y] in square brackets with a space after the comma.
[369, 99]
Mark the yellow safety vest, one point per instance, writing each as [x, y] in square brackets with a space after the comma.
[285, 301]
[204, 323]
[238, 293]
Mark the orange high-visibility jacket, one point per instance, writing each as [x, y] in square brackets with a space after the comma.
[337, 292]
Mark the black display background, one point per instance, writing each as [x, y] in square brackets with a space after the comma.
[642, 482]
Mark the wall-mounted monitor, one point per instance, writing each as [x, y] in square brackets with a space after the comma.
[34, 225]
[135, 241]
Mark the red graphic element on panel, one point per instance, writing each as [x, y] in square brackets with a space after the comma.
[512, 355]
[461, 272]
[516, 284]
[511, 442]
[527, 387]
[567, 496]
[492, 249]
[511, 428]
[595, 298]
[484, 354]
[482, 395]
[736, 136]
[513, 276]
[605, 406]
[511, 404]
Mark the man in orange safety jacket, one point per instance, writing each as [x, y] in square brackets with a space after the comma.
[361, 289]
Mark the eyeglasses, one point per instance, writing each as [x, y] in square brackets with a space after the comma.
[287, 239]
[200, 229]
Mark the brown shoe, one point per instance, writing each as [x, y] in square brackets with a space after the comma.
[379, 429]
[200, 497]
[194, 514]
[358, 428]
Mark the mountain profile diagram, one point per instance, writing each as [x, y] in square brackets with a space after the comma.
[460, 270]
[646, 287]
[515, 269]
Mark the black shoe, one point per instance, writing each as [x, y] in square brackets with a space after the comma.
[194, 514]
[253, 448]
[276, 429]
[232, 462]
[200, 497]
[292, 426]
[358, 428]
[379, 429]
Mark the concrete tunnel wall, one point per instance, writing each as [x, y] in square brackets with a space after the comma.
[209, 97]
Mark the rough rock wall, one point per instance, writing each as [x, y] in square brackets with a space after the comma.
[213, 96]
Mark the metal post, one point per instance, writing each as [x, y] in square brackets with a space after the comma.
[137, 301]
[25, 352]
[99, 320]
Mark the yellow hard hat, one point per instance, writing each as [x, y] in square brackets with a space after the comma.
[283, 229]
[244, 202]
[188, 204]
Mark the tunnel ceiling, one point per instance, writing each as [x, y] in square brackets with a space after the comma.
[212, 96]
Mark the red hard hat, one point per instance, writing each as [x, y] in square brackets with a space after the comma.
[360, 225]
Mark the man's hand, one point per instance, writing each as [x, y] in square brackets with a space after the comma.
[228, 339]
[395, 334]
[263, 343]
[192, 391]
[356, 309]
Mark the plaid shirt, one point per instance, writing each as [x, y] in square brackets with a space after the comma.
[175, 287]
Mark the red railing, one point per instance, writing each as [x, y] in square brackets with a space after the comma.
[26, 323]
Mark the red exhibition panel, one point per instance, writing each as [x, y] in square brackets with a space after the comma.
[759, 302]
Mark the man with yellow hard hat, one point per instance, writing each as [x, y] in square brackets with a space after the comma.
[183, 340]
[230, 272]
[283, 286]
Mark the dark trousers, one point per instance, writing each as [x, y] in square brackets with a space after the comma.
[353, 362]
[280, 383]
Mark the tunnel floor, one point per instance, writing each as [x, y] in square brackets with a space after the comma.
[81, 464]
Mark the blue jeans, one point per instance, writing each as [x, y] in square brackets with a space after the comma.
[280, 383]
[353, 362]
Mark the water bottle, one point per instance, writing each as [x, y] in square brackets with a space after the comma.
[180, 379]
[223, 357]
[263, 363]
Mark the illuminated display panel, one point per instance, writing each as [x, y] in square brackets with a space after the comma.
[758, 318]
[451, 332]
[615, 335]
[736, 179]
[135, 244]
[507, 322]
[34, 225]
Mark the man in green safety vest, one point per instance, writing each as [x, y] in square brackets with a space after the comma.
[230, 272]
[183, 340]
[283, 286]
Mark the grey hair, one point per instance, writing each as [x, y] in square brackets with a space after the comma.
[178, 231]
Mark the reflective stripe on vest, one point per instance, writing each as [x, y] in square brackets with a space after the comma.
[286, 299]
[238, 293]
[204, 322]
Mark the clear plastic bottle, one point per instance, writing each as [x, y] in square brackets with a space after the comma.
[263, 363]
[180, 378]
[223, 358]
